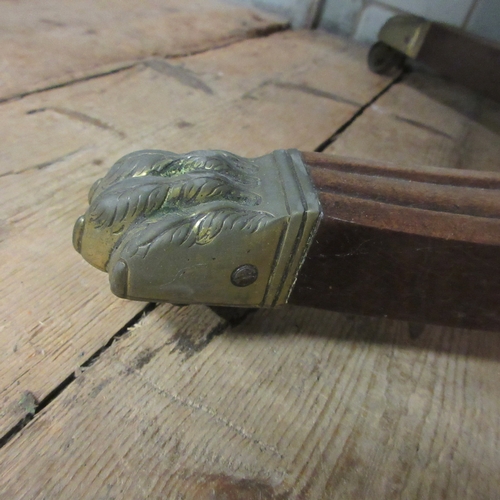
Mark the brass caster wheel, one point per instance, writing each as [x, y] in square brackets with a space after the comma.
[383, 59]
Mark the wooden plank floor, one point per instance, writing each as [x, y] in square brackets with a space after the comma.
[104, 398]
[426, 121]
[49, 43]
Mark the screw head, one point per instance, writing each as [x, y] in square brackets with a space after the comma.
[244, 275]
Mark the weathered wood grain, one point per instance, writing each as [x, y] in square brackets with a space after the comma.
[292, 404]
[53, 42]
[425, 120]
[56, 310]
[229, 92]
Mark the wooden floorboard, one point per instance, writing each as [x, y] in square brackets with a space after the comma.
[425, 120]
[54, 42]
[58, 310]
[294, 404]
[290, 404]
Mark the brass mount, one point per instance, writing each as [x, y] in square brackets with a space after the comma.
[204, 227]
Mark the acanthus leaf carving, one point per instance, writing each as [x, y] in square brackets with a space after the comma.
[200, 229]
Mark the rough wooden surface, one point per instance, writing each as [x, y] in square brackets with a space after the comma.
[426, 121]
[295, 404]
[52, 42]
[57, 310]
[290, 404]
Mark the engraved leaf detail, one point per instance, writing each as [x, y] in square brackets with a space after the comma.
[232, 166]
[163, 198]
[166, 164]
[142, 196]
[128, 199]
[136, 164]
[199, 229]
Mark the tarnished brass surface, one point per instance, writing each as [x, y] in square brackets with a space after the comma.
[205, 227]
[405, 33]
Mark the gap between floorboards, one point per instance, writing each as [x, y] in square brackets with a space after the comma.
[39, 406]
